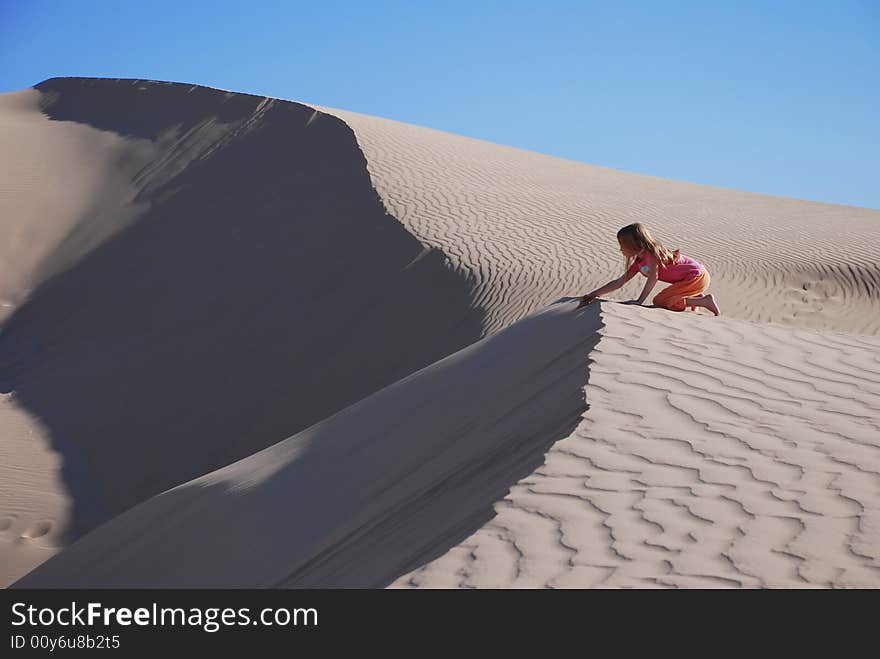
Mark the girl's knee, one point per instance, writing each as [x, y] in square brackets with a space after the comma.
[670, 305]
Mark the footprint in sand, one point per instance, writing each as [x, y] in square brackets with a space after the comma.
[38, 530]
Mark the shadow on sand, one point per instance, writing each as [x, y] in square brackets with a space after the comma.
[369, 494]
[264, 289]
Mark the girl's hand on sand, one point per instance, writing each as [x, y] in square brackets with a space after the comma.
[585, 300]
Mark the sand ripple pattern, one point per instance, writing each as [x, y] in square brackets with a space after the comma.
[715, 453]
[529, 228]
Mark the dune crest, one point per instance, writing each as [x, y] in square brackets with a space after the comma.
[234, 281]
[716, 453]
[531, 228]
[361, 497]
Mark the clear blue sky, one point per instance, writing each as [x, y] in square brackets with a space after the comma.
[769, 96]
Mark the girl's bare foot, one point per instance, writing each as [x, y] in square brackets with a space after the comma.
[711, 304]
[707, 301]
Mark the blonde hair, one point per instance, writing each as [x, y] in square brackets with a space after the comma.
[638, 237]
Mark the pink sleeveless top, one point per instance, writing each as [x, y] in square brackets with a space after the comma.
[685, 268]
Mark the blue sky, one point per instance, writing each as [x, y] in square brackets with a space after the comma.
[774, 97]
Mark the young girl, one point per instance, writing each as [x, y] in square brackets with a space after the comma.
[643, 254]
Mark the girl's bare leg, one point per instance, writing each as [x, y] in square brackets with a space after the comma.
[707, 301]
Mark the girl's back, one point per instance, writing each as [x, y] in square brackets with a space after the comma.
[684, 268]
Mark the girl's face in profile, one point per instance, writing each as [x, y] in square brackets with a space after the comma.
[626, 249]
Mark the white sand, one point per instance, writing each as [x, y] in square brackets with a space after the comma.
[612, 446]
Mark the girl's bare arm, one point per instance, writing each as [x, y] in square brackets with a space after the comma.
[612, 285]
[649, 284]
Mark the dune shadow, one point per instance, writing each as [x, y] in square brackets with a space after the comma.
[264, 289]
[497, 431]
[367, 495]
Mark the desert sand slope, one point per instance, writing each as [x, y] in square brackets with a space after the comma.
[530, 228]
[713, 453]
[191, 275]
[375, 490]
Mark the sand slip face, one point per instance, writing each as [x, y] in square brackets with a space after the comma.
[530, 228]
[367, 494]
[58, 180]
[64, 187]
[246, 285]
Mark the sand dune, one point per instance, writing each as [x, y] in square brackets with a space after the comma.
[729, 464]
[362, 496]
[192, 276]
[716, 453]
[530, 228]
[246, 285]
